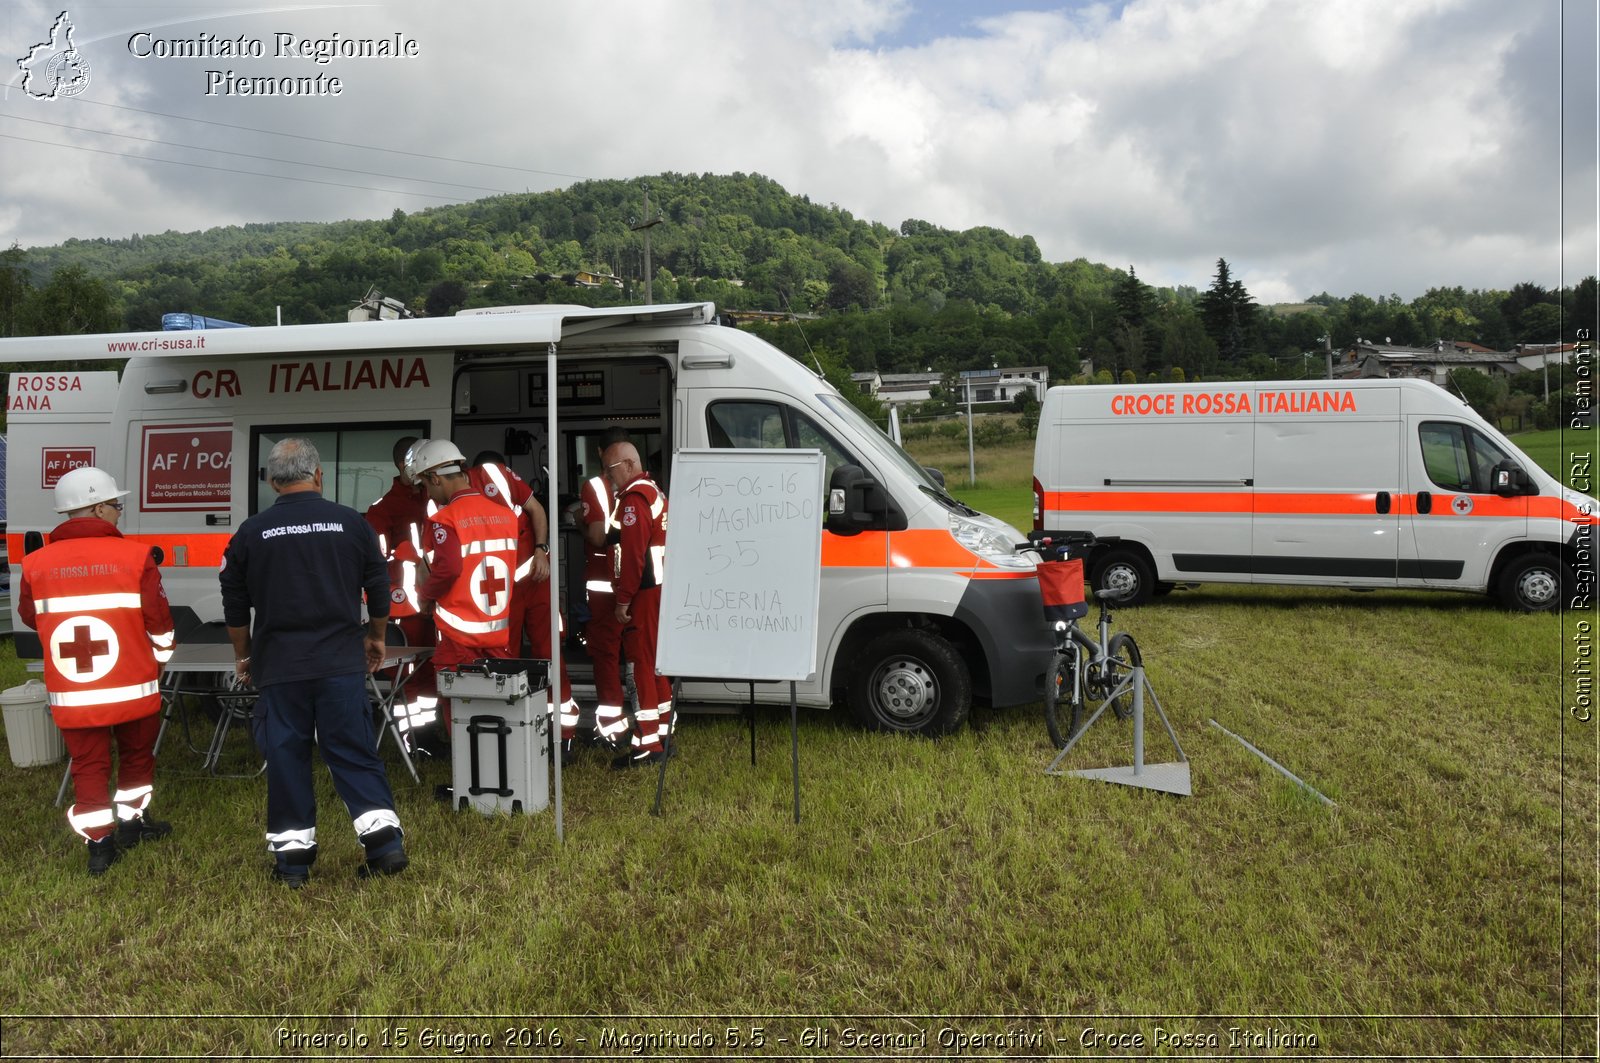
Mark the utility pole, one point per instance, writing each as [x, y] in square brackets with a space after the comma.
[636, 225]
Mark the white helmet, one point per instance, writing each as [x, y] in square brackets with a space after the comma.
[433, 455]
[83, 487]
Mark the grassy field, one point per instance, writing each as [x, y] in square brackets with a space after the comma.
[1444, 906]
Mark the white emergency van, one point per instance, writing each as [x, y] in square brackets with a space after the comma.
[925, 607]
[1370, 483]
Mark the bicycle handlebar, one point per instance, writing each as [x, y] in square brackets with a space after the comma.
[1057, 545]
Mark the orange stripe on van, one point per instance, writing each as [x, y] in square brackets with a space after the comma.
[866, 550]
[925, 548]
[203, 550]
[1356, 503]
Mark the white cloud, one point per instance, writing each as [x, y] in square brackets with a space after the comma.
[1354, 145]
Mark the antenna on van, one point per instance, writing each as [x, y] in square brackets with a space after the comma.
[1451, 385]
[802, 328]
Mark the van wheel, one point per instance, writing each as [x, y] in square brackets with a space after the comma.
[1533, 583]
[1125, 573]
[910, 681]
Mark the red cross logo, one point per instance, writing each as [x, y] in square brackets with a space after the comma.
[84, 648]
[491, 585]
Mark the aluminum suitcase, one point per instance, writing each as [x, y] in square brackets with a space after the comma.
[499, 735]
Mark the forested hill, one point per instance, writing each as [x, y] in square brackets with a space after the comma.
[912, 297]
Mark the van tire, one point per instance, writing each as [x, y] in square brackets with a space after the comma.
[910, 681]
[1121, 569]
[1533, 583]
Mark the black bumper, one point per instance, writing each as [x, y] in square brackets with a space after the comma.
[1007, 617]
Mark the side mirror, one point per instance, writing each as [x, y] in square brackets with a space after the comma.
[1509, 479]
[936, 475]
[858, 503]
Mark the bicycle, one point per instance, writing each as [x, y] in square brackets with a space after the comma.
[1072, 681]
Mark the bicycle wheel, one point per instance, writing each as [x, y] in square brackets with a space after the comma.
[1122, 660]
[1063, 706]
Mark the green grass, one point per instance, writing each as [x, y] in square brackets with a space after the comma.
[1454, 880]
[1553, 449]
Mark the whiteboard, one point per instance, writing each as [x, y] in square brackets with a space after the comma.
[743, 565]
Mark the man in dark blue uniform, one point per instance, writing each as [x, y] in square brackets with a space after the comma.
[302, 565]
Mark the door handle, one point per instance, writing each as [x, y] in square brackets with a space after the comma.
[1383, 502]
[1424, 502]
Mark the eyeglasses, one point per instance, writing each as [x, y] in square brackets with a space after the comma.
[114, 505]
[624, 461]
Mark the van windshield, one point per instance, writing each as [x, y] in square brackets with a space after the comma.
[875, 437]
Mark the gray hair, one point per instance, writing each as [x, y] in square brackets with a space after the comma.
[292, 461]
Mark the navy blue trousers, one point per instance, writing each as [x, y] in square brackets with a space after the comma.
[334, 713]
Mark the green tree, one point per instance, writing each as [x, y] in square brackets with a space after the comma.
[1482, 392]
[1228, 314]
[15, 287]
[72, 302]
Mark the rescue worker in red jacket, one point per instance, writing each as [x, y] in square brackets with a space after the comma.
[472, 543]
[530, 595]
[400, 518]
[97, 602]
[638, 568]
[603, 634]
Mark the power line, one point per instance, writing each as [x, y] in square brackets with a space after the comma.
[340, 143]
[241, 155]
[224, 169]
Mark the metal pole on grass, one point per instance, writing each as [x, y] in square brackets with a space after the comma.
[553, 532]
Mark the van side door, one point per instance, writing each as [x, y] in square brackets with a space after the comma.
[1459, 521]
[1328, 488]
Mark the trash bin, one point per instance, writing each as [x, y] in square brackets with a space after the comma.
[30, 732]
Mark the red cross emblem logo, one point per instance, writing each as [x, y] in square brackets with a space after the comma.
[491, 586]
[1462, 504]
[84, 649]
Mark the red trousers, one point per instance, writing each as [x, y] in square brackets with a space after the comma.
[603, 637]
[92, 814]
[448, 654]
[654, 716]
[530, 615]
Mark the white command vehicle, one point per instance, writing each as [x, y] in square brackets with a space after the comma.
[925, 607]
[1371, 483]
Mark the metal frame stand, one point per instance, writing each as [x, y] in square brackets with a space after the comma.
[1172, 778]
[750, 711]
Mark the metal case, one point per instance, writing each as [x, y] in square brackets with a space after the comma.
[500, 741]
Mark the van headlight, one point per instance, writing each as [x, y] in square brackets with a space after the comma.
[995, 545]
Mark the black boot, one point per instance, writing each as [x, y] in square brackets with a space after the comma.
[394, 859]
[131, 832]
[102, 854]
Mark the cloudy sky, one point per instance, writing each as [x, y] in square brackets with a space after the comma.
[1375, 146]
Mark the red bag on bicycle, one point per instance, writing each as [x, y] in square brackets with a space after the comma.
[1061, 587]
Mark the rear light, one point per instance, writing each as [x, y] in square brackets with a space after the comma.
[1038, 506]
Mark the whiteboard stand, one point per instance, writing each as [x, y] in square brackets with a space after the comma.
[750, 709]
[743, 574]
[669, 747]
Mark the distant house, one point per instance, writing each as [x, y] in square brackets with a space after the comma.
[1535, 356]
[1365, 360]
[581, 279]
[988, 386]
